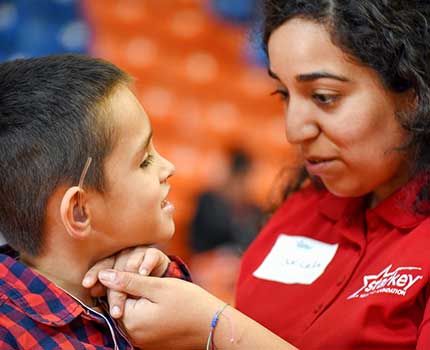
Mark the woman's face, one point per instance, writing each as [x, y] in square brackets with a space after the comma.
[338, 113]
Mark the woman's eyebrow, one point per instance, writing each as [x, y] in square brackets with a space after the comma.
[320, 75]
[312, 76]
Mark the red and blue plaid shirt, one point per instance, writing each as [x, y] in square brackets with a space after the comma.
[36, 314]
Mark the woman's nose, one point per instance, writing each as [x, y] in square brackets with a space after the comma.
[300, 123]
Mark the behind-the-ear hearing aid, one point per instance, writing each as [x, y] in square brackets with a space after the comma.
[79, 212]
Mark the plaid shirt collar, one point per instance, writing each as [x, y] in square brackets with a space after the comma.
[39, 298]
[45, 302]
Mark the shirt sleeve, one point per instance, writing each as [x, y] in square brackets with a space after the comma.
[177, 269]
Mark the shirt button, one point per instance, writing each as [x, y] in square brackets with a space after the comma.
[340, 282]
[86, 315]
[318, 308]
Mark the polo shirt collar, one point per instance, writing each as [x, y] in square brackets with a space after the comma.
[38, 297]
[397, 210]
[336, 208]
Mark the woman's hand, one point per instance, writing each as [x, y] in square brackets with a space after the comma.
[166, 313]
[142, 260]
[169, 313]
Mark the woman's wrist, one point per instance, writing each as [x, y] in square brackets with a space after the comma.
[210, 342]
[200, 327]
[236, 331]
[230, 330]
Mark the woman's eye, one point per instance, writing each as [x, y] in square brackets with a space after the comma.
[325, 99]
[147, 161]
[284, 95]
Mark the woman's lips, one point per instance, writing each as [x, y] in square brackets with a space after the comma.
[318, 166]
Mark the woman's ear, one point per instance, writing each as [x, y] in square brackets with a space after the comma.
[407, 101]
[74, 213]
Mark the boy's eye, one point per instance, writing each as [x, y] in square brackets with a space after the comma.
[325, 99]
[284, 95]
[147, 161]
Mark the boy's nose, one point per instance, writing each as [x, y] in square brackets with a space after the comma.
[168, 169]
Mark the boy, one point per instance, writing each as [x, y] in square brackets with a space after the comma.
[80, 181]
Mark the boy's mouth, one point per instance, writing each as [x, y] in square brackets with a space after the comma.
[167, 206]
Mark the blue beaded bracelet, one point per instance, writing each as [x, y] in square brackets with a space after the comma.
[210, 344]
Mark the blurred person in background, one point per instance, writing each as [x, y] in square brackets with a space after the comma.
[225, 223]
[343, 263]
[225, 218]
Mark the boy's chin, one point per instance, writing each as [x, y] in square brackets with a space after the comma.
[168, 233]
[164, 235]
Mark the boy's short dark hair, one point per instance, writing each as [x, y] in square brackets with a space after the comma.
[53, 116]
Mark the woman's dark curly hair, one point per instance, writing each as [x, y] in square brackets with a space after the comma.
[392, 37]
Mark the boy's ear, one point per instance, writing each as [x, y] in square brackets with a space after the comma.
[74, 215]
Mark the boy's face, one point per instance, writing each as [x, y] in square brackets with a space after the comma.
[134, 209]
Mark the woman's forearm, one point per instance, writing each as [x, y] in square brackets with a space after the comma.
[236, 331]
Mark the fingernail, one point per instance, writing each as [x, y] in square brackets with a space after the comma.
[87, 281]
[115, 311]
[143, 271]
[107, 275]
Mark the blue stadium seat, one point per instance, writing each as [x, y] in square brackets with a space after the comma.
[35, 28]
[240, 11]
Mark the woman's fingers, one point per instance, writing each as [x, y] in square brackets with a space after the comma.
[91, 277]
[131, 283]
[130, 259]
[116, 302]
[142, 260]
[154, 263]
[127, 260]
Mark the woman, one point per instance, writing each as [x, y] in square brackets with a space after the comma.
[343, 262]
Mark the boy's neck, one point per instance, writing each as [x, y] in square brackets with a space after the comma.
[66, 271]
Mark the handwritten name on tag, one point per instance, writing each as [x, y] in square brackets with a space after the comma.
[296, 259]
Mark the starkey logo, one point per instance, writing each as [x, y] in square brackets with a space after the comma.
[395, 282]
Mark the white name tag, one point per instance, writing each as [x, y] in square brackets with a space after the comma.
[296, 259]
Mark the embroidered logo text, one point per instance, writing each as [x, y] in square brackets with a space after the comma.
[395, 282]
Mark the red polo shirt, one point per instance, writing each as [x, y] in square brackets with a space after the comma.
[365, 287]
